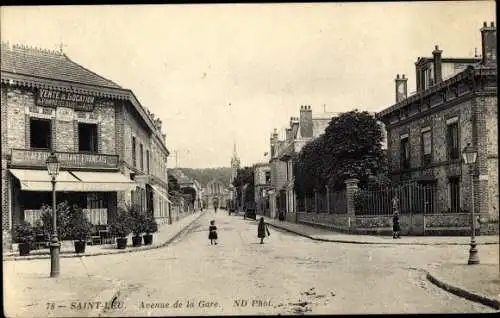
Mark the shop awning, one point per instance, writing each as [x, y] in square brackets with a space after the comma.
[39, 180]
[103, 181]
[75, 181]
[161, 194]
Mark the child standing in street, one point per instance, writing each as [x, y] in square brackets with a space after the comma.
[212, 233]
[262, 230]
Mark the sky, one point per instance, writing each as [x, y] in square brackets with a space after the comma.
[231, 73]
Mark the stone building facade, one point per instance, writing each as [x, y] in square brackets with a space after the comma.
[455, 104]
[50, 103]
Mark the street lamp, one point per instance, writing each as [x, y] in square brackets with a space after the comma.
[53, 169]
[469, 155]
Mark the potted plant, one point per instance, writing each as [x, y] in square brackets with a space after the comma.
[138, 227]
[24, 235]
[80, 229]
[150, 226]
[121, 228]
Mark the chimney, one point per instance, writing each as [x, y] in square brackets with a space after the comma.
[401, 88]
[305, 120]
[438, 75]
[489, 44]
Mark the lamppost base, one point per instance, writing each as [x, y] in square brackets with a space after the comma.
[473, 255]
[55, 248]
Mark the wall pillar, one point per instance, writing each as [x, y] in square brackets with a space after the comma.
[327, 199]
[351, 189]
[316, 201]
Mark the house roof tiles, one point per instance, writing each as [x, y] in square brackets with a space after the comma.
[49, 64]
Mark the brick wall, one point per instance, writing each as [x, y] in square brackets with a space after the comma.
[490, 107]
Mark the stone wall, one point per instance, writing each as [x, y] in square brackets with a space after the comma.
[333, 220]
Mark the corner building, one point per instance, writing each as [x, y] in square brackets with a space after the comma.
[455, 104]
[50, 103]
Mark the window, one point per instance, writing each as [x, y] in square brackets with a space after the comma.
[147, 161]
[268, 176]
[134, 159]
[426, 148]
[95, 200]
[142, 157]
[454, 184]
[405, 153]
[87, 137]
[452, 140]
[40, 133]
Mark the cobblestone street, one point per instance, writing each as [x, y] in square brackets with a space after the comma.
[288, 274]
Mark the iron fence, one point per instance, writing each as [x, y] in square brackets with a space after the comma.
[412, 196]
[332, 202]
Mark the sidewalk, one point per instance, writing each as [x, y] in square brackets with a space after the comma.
[319, 234]
[166, 233]
[479, 283]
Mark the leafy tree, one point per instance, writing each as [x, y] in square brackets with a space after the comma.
[245, 176]
[204, 176]
[351, 147]
[173, 185]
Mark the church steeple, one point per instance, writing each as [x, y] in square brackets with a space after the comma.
[235, 163]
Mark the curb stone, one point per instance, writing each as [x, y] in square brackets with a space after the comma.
[373, 243]
[112, 251]
[487, 301]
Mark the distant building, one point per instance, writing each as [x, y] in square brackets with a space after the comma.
[455, 103]
[262, 183]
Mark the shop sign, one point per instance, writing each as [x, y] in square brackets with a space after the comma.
[52, 98]
[37, 158]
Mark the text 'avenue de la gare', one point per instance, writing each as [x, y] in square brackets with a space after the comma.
[204, 304]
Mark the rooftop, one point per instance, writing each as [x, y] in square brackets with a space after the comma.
[37, 62]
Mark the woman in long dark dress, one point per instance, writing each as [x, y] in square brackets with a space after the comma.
[212, 233]
[262, 230]
[395, 225]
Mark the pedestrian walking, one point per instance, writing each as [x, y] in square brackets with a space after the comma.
[395, 218]
[262, 230]
[212, 233]
[395, 225]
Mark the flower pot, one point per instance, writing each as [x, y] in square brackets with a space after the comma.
[24, 249]
[121, 243]
[148, 239]
[136, 241]
[80, 246]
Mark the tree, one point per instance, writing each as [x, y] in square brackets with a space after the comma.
[351, 147]
[244, 176]
[173, 185]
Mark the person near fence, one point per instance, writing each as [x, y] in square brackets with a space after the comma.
[395, 218]
[212, 233]
[262, 230]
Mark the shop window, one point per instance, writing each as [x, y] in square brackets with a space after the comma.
[454, 189]
[95, 201]
[134, 158]
[452, 141]
[40, 133]
[405, 153]
[87, 137]
[426, 148]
